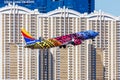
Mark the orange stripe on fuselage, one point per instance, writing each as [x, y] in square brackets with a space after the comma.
[56, 42]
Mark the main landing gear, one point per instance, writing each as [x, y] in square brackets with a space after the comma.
[63, 46]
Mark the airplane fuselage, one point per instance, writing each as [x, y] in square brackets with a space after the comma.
[74, 39]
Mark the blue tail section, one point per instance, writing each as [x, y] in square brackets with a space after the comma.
[28, 41]
[28, 38]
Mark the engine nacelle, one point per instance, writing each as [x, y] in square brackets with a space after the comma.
[76, 41]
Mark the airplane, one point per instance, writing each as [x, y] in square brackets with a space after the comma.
[61, 41]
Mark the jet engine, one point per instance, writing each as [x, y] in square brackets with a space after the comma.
[76, 41]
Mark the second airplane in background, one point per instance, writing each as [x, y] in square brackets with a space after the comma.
[62, 41]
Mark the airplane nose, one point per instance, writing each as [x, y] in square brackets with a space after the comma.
[97, 33]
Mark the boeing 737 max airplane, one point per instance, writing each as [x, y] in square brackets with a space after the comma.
[62, 41]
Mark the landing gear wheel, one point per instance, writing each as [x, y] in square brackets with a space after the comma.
[64, 46]
[60, 46]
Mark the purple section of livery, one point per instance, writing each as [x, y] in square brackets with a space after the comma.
[77, 38]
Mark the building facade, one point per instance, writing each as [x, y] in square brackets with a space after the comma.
[65, 21]
[17, 62]
[56, 23]
[45, 65]
[99, 64]
[108, 40]
[44, 6]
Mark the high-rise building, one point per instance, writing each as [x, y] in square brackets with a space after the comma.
[82, 6]
[56, 23]
[61, 22]
[66, 66]
[66, 21]
[108, 40]
[17, 62]
[74, 59]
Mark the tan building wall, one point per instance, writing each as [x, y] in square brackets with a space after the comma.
[64, 64]
[13, 68]
[99, 64]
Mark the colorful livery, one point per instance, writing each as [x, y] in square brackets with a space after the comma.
[62, 41]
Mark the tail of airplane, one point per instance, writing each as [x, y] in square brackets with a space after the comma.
[27, 37]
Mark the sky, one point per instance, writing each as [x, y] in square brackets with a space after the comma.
[108, 6]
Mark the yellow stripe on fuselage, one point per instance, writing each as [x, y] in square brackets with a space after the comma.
[47, 44]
